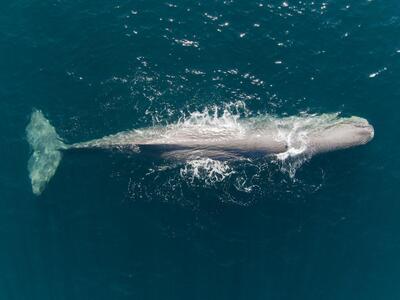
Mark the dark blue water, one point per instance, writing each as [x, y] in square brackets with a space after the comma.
[117, 226]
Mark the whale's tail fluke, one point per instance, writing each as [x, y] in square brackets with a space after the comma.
[46, 151]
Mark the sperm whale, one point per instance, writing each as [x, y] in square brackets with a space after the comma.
[217, 138]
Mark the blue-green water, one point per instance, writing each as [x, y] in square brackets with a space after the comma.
[117, 226]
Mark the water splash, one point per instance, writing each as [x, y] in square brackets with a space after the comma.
[206, 169]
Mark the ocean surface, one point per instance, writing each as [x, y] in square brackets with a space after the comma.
[116, 225]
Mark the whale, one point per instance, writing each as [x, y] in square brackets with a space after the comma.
[219, 137]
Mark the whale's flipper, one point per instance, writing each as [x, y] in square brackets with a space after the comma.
[46, 146]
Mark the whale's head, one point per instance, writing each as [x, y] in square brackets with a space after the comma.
[358, 129]
[350, 132]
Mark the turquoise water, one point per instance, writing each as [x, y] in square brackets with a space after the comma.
[112, 225]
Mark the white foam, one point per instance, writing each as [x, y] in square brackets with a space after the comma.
[207, 169]
[187, 43]
[375, 74]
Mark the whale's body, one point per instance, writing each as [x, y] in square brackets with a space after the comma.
[190, 142]
[216, 139]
